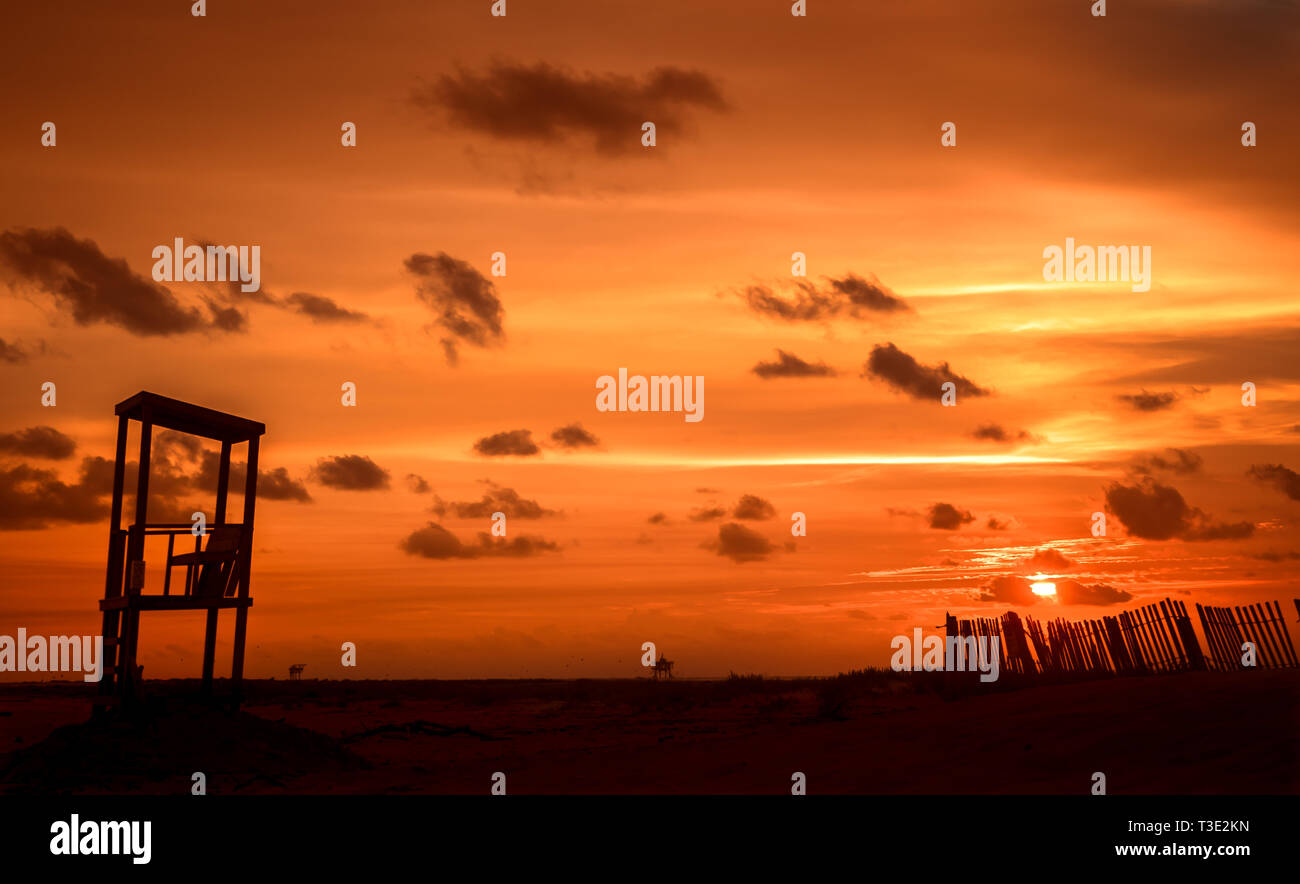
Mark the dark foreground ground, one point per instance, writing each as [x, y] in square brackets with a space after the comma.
[1192, 733]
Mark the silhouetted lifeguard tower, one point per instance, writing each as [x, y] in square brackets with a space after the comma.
[216, 577]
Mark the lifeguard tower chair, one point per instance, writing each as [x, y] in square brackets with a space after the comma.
[216, 573]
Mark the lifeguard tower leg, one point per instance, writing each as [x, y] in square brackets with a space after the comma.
[209, 650]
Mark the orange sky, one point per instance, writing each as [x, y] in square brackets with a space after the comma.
[776, 134]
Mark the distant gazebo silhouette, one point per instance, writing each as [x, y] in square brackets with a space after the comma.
[216, 577]
[295, 671]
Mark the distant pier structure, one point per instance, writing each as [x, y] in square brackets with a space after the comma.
[216, 572]
[295, 671]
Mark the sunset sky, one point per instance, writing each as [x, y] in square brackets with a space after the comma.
[775, 134]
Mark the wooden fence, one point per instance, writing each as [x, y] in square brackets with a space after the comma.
[1228, 629]
[1153, 638]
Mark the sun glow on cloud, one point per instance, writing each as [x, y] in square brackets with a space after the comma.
[1042, 587]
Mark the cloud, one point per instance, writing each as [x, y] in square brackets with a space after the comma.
[496, 499]
[574, 436]
[33, 498]
[417, 483]
[542, 103]
[464, 302]
[994, 525]
[707, 514]
[1013, 590]
[435, 542]
[1264, 352]
[45, 442]
[1145, 401]
[1284, 480]
[787, 365]
[740, 544]
[95, 288]
[321, 309]
[658, 519]
[851, 296]
[1048, 559]
[998, 433]
[350, 472]
[946, 517]
[905, 374]
[275, 484]
[14, 353]
[180, 468]
[1158, 512]
[1290, 555]
[753, 508]
[1174, 460]
[511, 442]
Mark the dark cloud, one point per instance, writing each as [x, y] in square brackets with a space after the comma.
[173, 458]
[464, 302]
[905, 374]
[435, 542]
[1289, 556]
[495, 500]
[417, 483]
[851, 296]
[788, 365]
[1012, 590]
[15, 353]
[548, 104]
[740, 544]
[45, 442]
[753, 507]
[1173, 460]
[33, 498]
[350, 472]
[574, 436]
[658, 519]
[1260, 353]
[94, 288]
[1048, 559]
[321, 309]
[868, 295]
[1158, 512]
[994, 525]
[999, 433]
[1145, 401]
[946, 517]
[707, 514]
[274, 484]
[510, 442]
[1072, 592]
[231, 291]
[227, 319]
[1284, 480]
